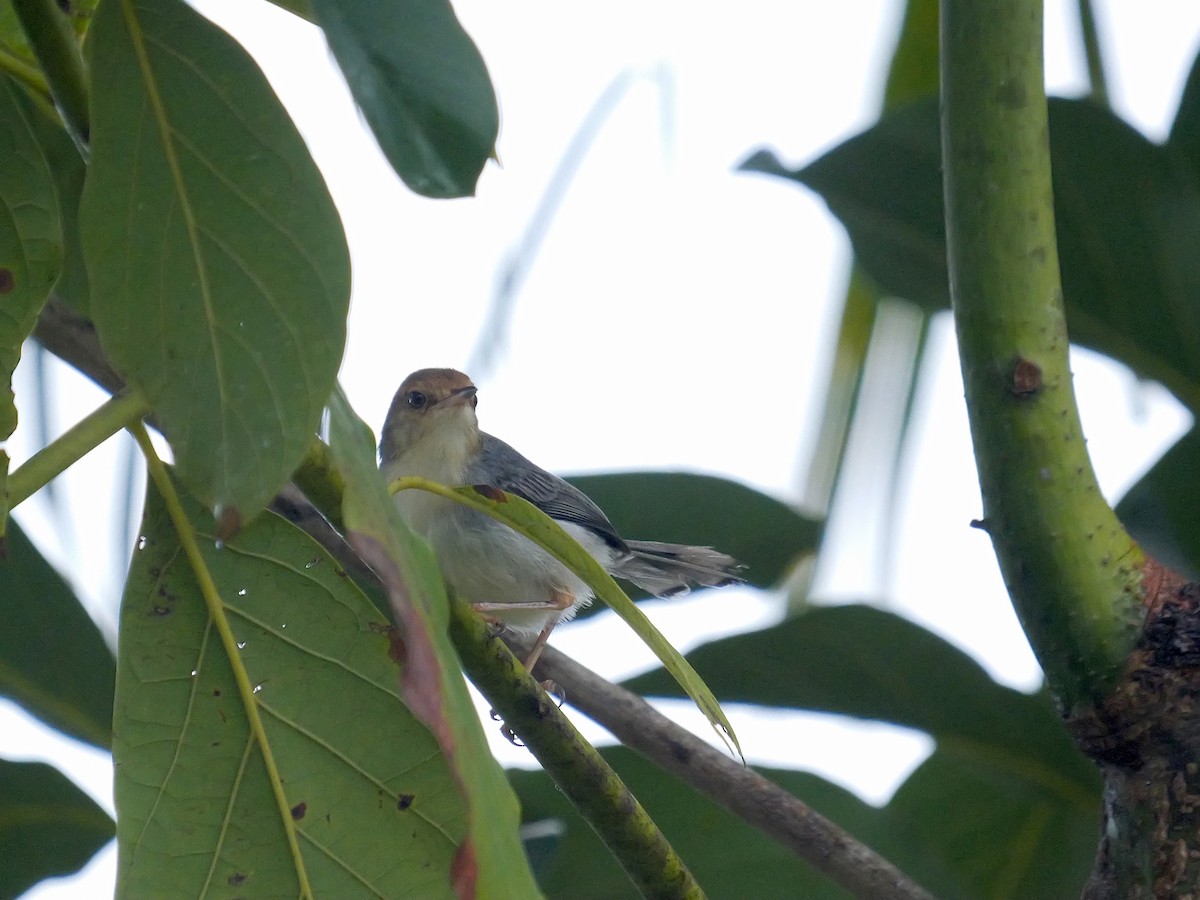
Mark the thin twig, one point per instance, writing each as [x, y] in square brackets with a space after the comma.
[748, 795]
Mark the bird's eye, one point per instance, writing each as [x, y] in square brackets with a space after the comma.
[416, 400]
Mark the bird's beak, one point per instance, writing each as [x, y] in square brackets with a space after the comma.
[462, 395]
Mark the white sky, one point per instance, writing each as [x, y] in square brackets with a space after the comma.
[678, 315]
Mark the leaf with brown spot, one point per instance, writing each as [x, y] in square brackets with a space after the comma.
[194, 794]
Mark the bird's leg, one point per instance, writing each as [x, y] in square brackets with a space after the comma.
[560, 601]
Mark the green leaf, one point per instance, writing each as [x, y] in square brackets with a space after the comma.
[371, 799]
[727, 856]
[526, 519]
[1185, 131]
[863, 662]
[219, 270]
[1162, 511]
[53, 661]
[914, 70]
[30, 239]
[12, 36]
[1007, 837]
[768, 537]
[68, 172]
[489, 862]
[422, 86]
[48, 826]
[1128, 218]
[1020, 790]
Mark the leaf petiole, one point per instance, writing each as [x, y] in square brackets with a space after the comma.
[120, 411]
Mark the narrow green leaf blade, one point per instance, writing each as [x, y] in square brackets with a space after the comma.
[371, 798]
[526, 519]
[53, 660]
[48, 826]
[489, 862]
[422, 85]
[30, 238]
[218, 266]
[767, 536]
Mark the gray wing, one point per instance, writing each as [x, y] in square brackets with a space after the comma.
[503, 467]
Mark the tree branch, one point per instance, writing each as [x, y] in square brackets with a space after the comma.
[1073, 573]
[748, 795]
[576, 767]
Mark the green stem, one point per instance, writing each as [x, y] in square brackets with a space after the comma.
[54, 43]
[216, 612]
[575, 765]
[1072, 571]
[1091, 50]
[119, 412]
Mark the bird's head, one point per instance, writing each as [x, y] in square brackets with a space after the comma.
[434, 408]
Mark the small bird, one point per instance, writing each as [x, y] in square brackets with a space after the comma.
[432, 431]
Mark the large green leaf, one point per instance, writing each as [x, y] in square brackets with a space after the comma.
[370, 798]
[53, 660]
[728, 857]
[1162, 511]
[30, 238]
[422, 86]
[1128, 214]
[48, 826]
[1002, 756]
[768, 537]
[986, 831]
[218, 266]
[489, 862]
[861, 661]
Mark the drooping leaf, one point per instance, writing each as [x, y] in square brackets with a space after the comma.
[730, 859]
[1128, 217]
[53, 660]
[360, 781]
[767, 536]
[526, 519]
[30, 238]
[48, 826]
[864, 662]
[218, 266]
[422, 86]
[488, 861]
[1162, 511]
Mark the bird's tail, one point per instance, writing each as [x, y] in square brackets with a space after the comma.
[667, 569]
